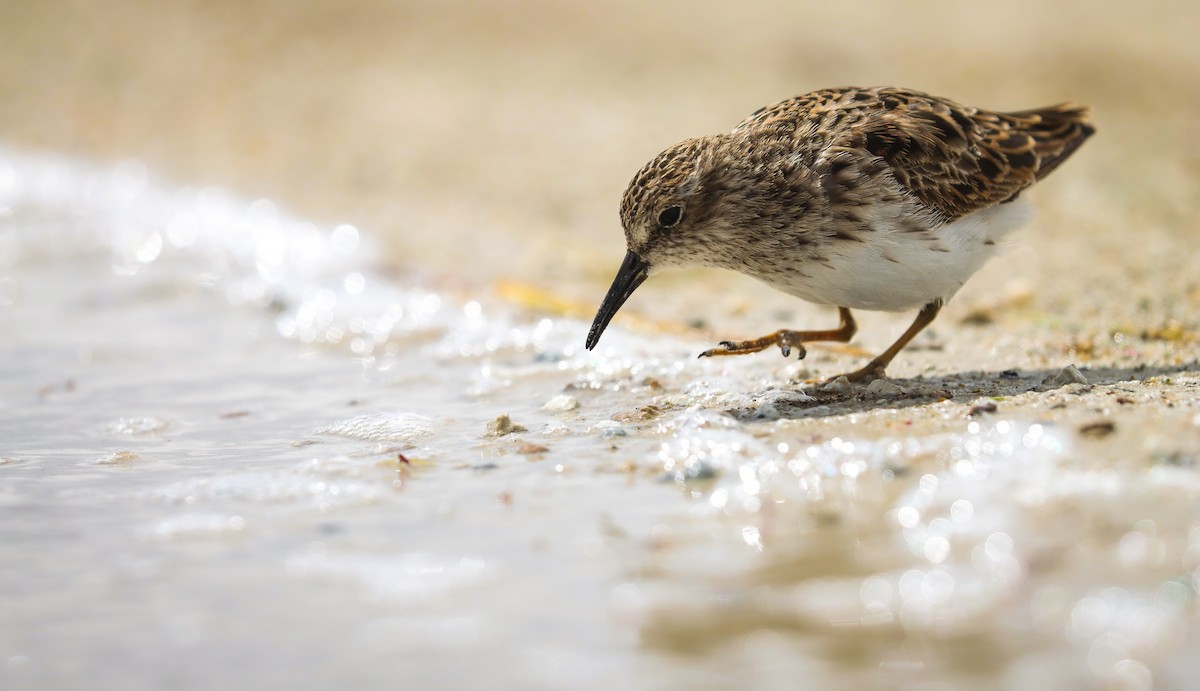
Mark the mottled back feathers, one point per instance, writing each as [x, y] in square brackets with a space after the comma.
[955, 159]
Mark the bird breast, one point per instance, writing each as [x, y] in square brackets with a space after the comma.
[899, 260]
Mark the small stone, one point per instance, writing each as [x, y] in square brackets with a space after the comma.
[641, 414]
[690, 472]
[561, 403]
[530, 449]
[841, 385]
[1069, 375]
[502, 425]
[608, 429]
[884, 387]
[1176, 458]
[766, 411]
[118, 458]
[980, 316]
[982, 408]
[1098, 430]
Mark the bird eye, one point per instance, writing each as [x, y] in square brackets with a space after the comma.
[670, 217]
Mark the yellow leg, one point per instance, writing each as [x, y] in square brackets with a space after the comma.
[787, 340]
[875, 368]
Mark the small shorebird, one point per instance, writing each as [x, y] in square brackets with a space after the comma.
[878, 199]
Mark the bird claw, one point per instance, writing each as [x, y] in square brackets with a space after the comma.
[740, 348]
[722, 348]
[866, 375]
[787, 349]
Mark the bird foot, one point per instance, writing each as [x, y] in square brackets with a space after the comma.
[786, 340]
[873, 370]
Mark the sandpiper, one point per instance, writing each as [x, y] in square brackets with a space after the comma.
[862, 198]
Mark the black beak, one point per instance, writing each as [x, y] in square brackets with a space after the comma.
[633, 271]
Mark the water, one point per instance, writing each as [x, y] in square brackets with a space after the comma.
[237, 452]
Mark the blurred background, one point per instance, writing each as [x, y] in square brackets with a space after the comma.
[489, 140]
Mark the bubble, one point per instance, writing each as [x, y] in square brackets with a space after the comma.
[876, 591]
[183, 229]
[1133, 549]
[936, 549]
[149, 248]
[907, 516]
[354, 283]
[382, 427]
[938, 587]
[751, 536]
[344, 239]
[940, 527]
[998, 546]
[1090, 617]
[1173, 595]
[134, 426]
[910, 584]
[627, 598]
[1132, 675]
[128, 180]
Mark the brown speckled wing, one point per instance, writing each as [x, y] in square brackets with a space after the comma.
[954, 158]
[958, 159]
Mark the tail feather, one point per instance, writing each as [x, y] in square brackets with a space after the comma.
[1057, 131]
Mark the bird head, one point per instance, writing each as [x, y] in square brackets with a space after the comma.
[677, 211]
[658, 215]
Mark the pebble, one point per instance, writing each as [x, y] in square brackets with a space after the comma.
[1069, 375]
[118, 458]
[502, 425]
[641, 414]
[1099, 429]
[561, 403]
[608, 429]
[883, 387]
[699, 470]
[841, 385]
[982, 408]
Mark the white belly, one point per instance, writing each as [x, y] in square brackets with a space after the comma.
[896, 269]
